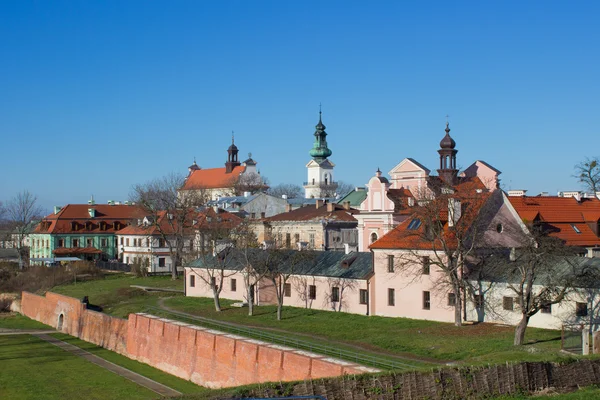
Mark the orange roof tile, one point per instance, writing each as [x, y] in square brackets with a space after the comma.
[312, 213]
[212, 178]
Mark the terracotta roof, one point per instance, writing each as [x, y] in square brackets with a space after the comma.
[212, 178]
[312, 213]
[560, 215]
[76, 218]
[76, 250]
[195, 220]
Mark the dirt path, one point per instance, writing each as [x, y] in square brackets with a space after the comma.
[124, 372]
[403, 357]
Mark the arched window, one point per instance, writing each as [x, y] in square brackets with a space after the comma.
[374, 237]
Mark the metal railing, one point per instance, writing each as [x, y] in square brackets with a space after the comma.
[254, 333]
[113, 266]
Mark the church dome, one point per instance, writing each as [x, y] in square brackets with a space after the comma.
[447, 142]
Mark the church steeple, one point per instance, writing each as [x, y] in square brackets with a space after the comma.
[232, 156]
[448, 171]
[320, 151]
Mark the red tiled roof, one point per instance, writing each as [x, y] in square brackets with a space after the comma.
[312, 213]
[76, 250]
[205, 219]
[212, 178]
[560, 214]
[76, 218]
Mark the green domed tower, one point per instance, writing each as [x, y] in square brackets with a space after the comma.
[320, 170]
[320, 151]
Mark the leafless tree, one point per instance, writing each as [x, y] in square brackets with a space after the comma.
[301, 285]
[342, 189]
[337, 288]
[587, 173]
[172, 214]
[542, 272]
[279, 265]
[288, 189]
[22, 210]
[445, 231]
[250, 182]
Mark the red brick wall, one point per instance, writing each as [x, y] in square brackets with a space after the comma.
[216, 359]
[91, 326]
[206, 357]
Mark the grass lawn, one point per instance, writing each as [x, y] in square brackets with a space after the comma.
[169, 380]
[116, 296]
[426, 340]
[35, 369]
[17, 321]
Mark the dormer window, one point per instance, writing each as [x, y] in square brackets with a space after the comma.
[74, 226]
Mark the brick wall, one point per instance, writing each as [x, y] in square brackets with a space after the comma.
[215, 359]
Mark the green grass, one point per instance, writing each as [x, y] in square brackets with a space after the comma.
[417, 339]
[588, 393]
[115, 295]
[169, 380]
[17, 321]
[34, 369]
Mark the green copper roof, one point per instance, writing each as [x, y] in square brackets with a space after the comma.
[320, 151]
[355, 197]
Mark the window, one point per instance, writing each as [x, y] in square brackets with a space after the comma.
[414, 224]
[426, 263]
[297, 237]
[288, 240]
[335, 294]
[478, 301]
[161, 262]
[391, 297]
[451, 299]
[127, 242]
[121, 241]
[192, 280]
[507, 303]
[546, 309]
[363, 296]
[103, 242]
[499, 228]
[75, 243]
[575, 228]
[311, 240]
[233, 285]
[161, 243]
[253, 215]
[390, 259]
[312, 292]
[581, 309]
[89, 242]
[426, 300]
[287, 290]
[147, 242]
[61, 242]
[373, 237]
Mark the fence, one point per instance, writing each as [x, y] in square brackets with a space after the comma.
[572, 338]
[356, 357]
[113, 266]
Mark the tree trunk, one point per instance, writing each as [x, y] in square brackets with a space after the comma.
[520, 330]
[458, 307]
[279, 307]
[175, 262]
[217, 302]
[250, 296]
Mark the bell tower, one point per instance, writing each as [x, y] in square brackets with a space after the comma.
[320, 170]
[448, 171]
[232, 156]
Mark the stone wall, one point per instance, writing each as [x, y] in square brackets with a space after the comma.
[215, 359]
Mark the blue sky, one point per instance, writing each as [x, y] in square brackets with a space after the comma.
[98, 96]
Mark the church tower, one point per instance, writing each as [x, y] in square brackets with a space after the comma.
[448, 171]
[320, 170]
[232, 157]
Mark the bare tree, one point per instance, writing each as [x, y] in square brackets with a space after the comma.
[250, 182]
[279, 265]
[445, 232]
[541, 273]
[22, 210]
[337, 287]
[301, 285]
[587, 173]
[342, 189]
[172, 214]
[288, 189]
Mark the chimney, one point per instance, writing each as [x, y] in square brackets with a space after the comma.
[247, 194]
[284, 196]
[517, 193]
[111, 203]
[330, 207]
[288, 207]
[346, 205]
[319, 203]
[57, 209]
[454, 211]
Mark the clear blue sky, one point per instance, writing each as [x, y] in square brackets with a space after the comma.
[97, 96]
